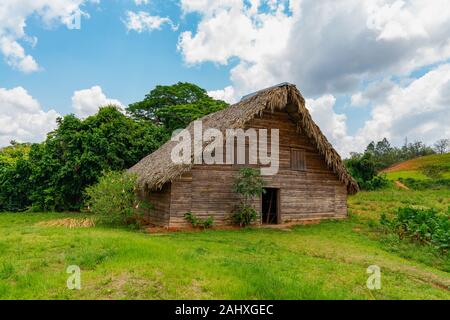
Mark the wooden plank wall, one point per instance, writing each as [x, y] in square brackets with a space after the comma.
[160, 200]
[315, 193]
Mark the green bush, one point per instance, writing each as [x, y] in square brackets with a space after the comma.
[196, 222]
[244, 215]
[427, 184]
[377, 182]
[113, 199]
[248, 184]
[434, 171]
[363, 170]
[425, 226]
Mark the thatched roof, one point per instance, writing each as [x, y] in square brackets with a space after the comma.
[157, 168]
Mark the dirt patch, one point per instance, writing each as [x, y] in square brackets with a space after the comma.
[400, 185]
[409, 165]
[70, 223]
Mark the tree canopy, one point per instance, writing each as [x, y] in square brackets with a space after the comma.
[175, 106]
[54, 174]
[74, 156]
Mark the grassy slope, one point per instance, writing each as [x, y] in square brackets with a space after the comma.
[411, 168]
[327, 261]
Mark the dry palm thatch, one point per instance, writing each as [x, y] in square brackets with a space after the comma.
[157, 168]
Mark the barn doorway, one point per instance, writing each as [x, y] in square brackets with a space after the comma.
[270, 206]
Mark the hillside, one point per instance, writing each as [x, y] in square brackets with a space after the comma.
[412, 168]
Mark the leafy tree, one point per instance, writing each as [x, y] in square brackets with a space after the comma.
[361, 166]
[14, 152]
[363, 169]
[179, 116]
[57, 171]
[384, 155]
[175, 106]
[15, 174]
[15, 185]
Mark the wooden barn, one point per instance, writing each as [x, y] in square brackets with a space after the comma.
[311, 184]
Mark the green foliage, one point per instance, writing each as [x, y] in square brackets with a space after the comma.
[425, 226]
[419, 184]
[361, 166]
[113, 199]
[377, 182]
[15, 184]
[244, 215]
[196, 222]
[16, 151]
[179, 116]
[382, 155]
[363, 169]
[175, 106]
[434, 171]
[248, 184]
[74, 156]
[52, 176]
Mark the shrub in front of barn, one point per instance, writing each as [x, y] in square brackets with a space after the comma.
[248, 184]
[113, 200]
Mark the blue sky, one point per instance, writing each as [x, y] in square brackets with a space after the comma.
[124, 63]
[367, 69]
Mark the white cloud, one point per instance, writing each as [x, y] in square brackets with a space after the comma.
[140, 2]
[143, 21]
[15, 56]
[227, 94]
[373, 93]
[349, 47]
[323, 47]
[13, 18]
[418, 111]
[231, 29]
[332, 124]
[22, 118]
[87, 102]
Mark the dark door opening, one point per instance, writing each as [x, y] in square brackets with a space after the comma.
[270, 206]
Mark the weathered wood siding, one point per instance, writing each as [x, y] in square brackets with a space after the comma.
[314, 193]
[160, 200]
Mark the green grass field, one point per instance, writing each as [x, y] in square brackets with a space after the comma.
[411, 168]
[324, 261]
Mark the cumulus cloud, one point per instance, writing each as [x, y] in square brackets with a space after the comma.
[87, 102]
[13, 18]
[226, 94]
[421, 110]
[418, 111]
[15, 56]
[328, 48]
[373, 93]
[22, 117]
[333, 125]
[142, 21]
